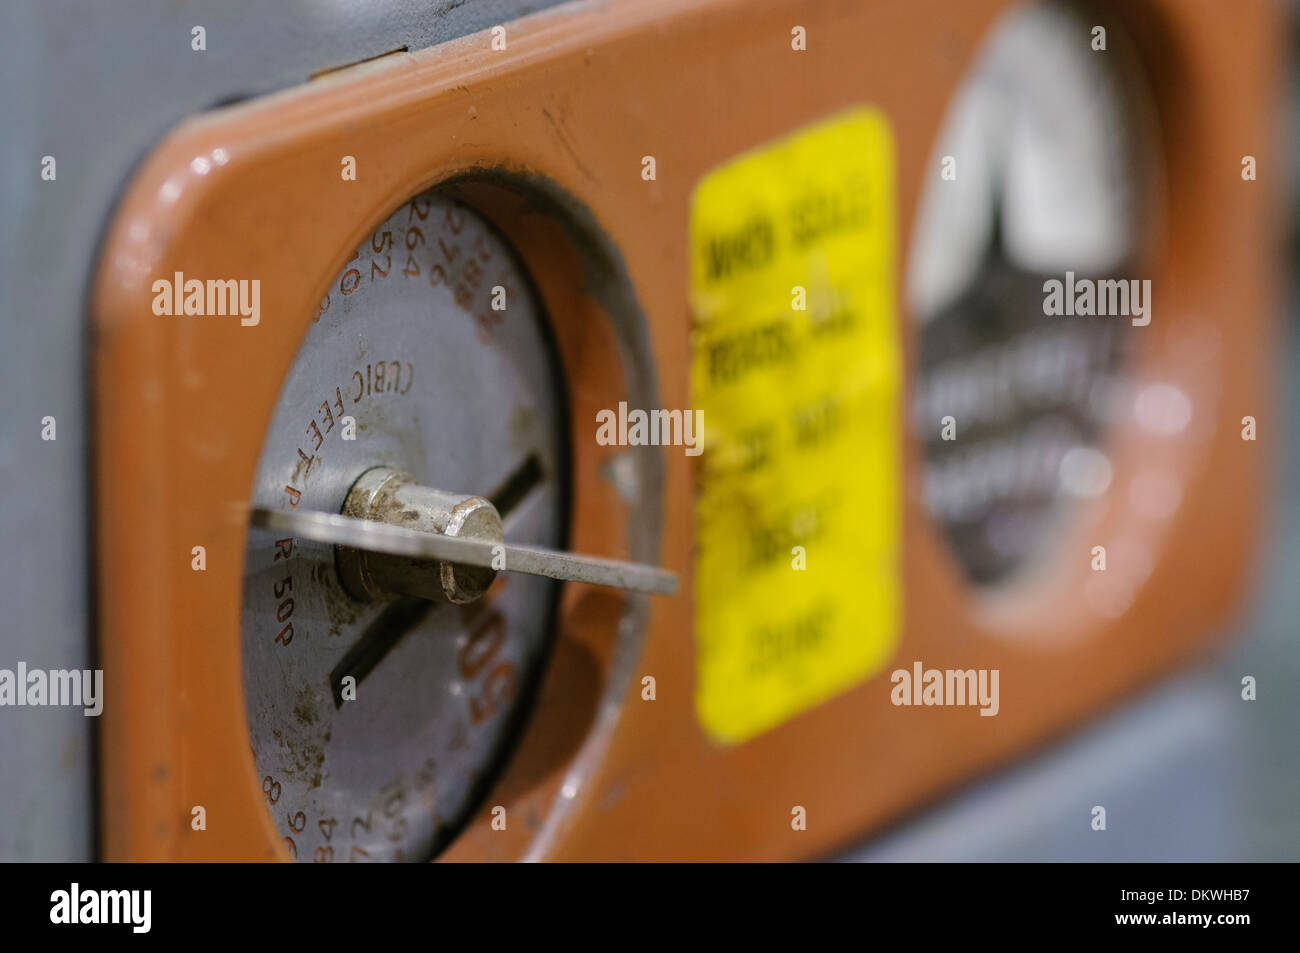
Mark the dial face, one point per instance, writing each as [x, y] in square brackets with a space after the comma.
[1044, 182]
[376, 726]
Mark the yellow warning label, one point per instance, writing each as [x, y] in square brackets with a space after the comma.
[797, 369]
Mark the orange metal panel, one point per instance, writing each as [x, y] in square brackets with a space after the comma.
[582, 93]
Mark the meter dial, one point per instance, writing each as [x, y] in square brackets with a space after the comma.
[1044, 179]
[378, 717]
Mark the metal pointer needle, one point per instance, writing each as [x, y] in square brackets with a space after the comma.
[376, 537]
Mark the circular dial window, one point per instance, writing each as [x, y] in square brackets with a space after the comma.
[379, 718]
[1038, 180]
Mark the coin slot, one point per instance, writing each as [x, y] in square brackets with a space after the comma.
[379, 638]
[517, 486]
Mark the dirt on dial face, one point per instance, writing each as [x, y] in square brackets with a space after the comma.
[376, 726]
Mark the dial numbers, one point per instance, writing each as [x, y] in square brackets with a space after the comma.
[378, 754]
